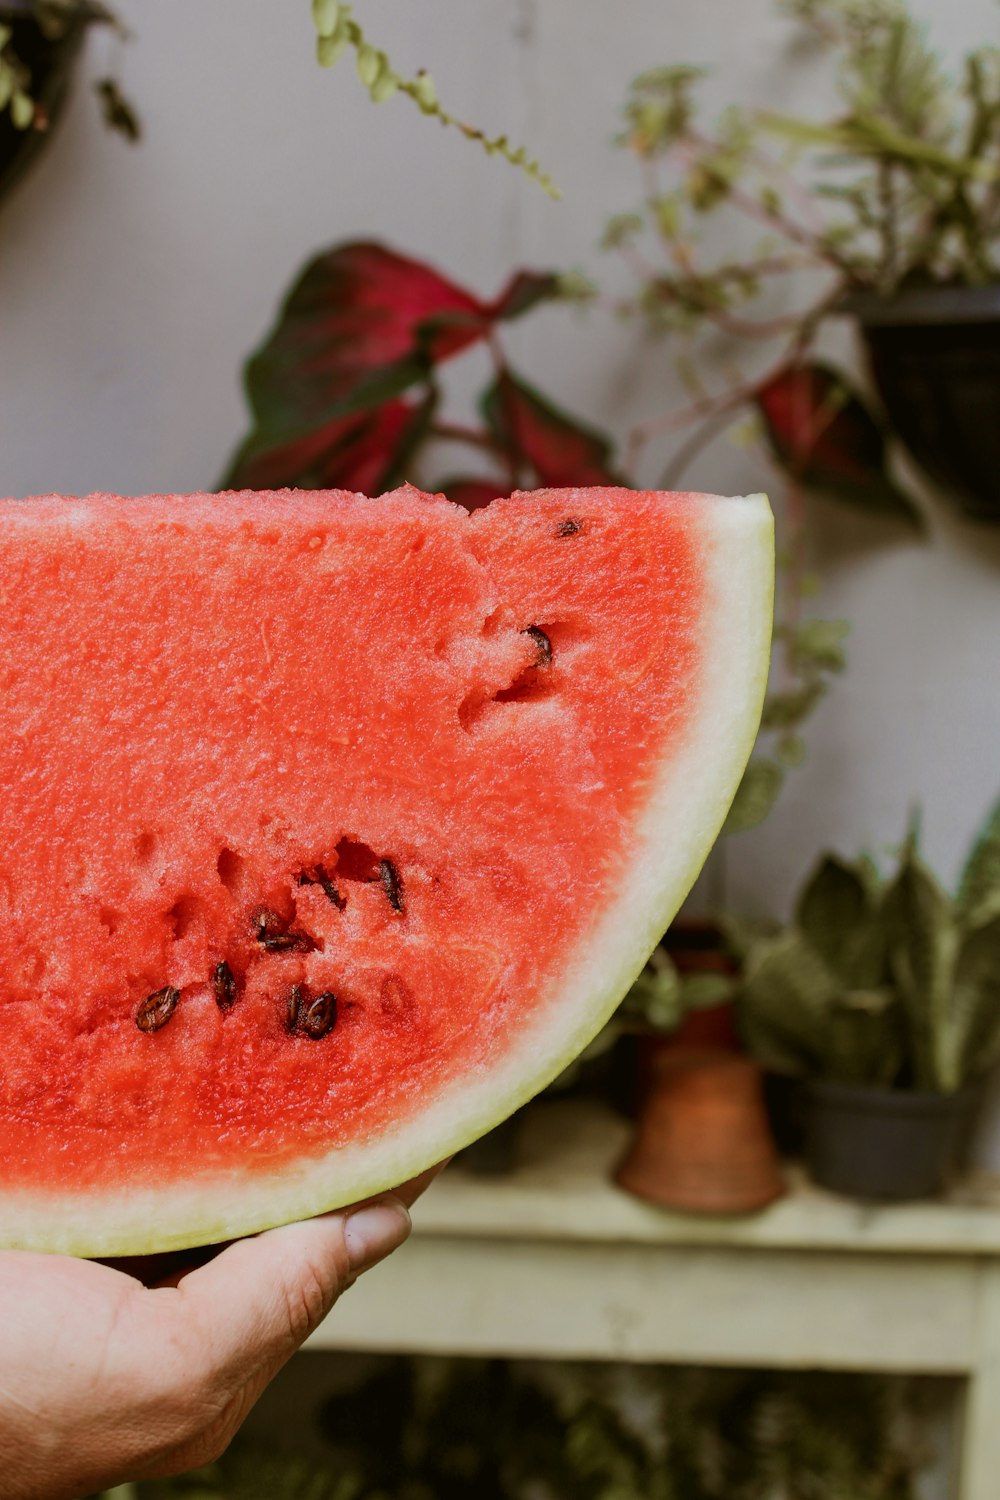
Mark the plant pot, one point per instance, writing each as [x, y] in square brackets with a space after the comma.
[702, 1143]
[51, 61]
[935, 359]
[882, 1144]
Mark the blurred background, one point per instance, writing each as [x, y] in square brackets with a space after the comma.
[136, 277]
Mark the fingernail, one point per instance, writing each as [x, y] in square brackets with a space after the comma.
[372, 1232]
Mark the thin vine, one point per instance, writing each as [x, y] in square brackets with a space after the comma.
[337, 31]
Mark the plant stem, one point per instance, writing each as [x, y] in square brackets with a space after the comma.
[890, 237]
[475, 437]
[698, 440]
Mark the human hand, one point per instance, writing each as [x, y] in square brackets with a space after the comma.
[104, 1379]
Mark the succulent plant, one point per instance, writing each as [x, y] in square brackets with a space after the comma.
[886, 981]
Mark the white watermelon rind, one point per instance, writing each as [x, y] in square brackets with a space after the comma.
[685, 811]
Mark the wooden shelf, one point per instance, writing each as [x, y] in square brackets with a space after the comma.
[562, 1189]
[553, 1260]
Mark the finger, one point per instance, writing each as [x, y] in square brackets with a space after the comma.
[260, 1298]
[410, 1191]
[172, 1267]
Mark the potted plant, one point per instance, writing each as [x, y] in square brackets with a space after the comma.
[702, 1142]
[889, 212]
[40, 45]
[883, 996]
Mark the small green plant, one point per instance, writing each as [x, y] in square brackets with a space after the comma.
[662, 996]
[751, 232]
[451, 1429]
[885, 981]
[56, 21]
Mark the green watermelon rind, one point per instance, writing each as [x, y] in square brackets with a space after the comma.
[682, 819]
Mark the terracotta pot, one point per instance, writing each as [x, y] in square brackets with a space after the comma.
[703, 1142]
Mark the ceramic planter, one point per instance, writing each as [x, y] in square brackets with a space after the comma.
[703, 1143]
[51, 61]
[935, 360]
[882, 1144]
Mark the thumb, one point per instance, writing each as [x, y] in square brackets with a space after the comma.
[261, 1298]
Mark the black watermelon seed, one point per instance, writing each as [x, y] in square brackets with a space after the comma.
[294, 1006]
[224, 986]
[543, 644]
[277, 939]
[389, 876]
[318, 876]
[319, 1015]
[569, 527]
[156, 1010]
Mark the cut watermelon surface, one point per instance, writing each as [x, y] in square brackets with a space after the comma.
[332, 828]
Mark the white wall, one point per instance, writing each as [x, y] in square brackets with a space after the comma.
[133, 281]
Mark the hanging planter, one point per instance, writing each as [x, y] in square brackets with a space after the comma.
[40, 47]
[935, 360]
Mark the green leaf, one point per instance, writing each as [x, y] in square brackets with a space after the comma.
[834, 911]
[119, 113]
[866, 1038]
[864, 134]
[621, 228]
[386, 83]
[701, 991]
[527, 290]
[330, 49]
[755, 795]
[22, 110]
[791, 750]
[819, 644]
[369, 62]
[979, 884]
[655, 997]
[790, 709]
[922, 936]
[560, 450]
[823, 434]
[977, 1000]
[742, 934]
[784, 1004]
[326, 16]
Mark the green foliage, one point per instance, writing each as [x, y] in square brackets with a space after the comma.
[451, 1429]
[337, 31]
[58, 21]
[661, 996]
[345, 391]
[901, 186]
[809, 652]
[877, 981]
[908, 167]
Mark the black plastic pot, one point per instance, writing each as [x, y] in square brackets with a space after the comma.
[935, 360]
[51, 61]
[883, 1144]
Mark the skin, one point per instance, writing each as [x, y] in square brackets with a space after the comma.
[116, 1372]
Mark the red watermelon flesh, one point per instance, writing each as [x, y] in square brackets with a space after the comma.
[332, 827]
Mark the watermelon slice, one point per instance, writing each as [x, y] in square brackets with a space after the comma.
[331, 828]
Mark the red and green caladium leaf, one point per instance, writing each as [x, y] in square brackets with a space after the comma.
[361, 325]
[365, 451]
[552, 445]
[824, 436]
